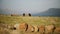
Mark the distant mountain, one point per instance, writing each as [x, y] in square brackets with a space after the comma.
[49, 12]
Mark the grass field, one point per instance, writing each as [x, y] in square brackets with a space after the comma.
[30, 20]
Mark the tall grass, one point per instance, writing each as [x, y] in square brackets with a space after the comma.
[30, 20]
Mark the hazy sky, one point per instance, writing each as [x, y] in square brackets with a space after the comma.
[28, 6]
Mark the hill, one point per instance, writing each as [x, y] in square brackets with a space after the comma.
[49, 12]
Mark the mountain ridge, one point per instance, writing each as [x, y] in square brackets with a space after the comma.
[49, 12]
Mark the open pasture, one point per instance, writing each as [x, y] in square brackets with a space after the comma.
[29, 20]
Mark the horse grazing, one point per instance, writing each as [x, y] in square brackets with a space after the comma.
[41, 29]
[49, 29]
[35, 28]
[21, 26]
[30, 28]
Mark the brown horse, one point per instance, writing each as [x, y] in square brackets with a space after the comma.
[21, 26]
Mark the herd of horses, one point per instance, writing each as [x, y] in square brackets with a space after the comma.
[34, 28]
[24, 27]
[29, 14]
[24, 14]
